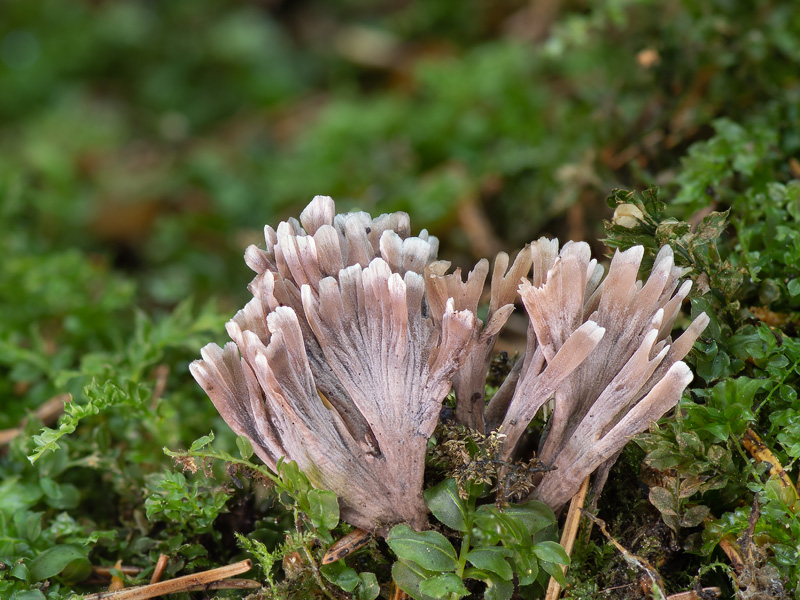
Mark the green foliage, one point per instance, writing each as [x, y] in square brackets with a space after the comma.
[69, 332]
[137, 162]
[496, 546]
[315, 514]
[746, 361]
[193, 507]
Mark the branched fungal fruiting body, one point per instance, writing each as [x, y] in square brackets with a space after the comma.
[337, 365]
[355, 334]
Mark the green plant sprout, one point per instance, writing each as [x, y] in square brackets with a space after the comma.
[315, 516]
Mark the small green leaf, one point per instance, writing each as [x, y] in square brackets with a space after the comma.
[341, 575]
[16, 495]
[691, 485]
[551, 552]
[511, 526]
[446, 505]
[28, 595]
[62, 496]
[534, 515]
[54, 560]
[711, 227]
[443, 585]
[663, 500]
[429, 549]
[408, 577]
[526, 567]
[78, 570]
[663, 458]
[323, 509]
[294, 479]
[20, 571]
[555, 571]
[492, 558]
[245, 447]
[487, 528]
[737, 392]
[202, 442]
[694, 516]
[498, 589]
[28, 524]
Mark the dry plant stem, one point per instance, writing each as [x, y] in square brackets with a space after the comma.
[758, 449]
[728, 545]
[177, 585]
[746, 539]
[106, 571]
[6, 435]
[117, 583]
[47, 413]
[309, 560]
[228, 584]
[397, 593]
[478, 229]
[694, 595]
[161, 374]
[569, 534]
[656, 583]
[161, 564]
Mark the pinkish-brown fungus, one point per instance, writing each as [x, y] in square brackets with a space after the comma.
[355, 334]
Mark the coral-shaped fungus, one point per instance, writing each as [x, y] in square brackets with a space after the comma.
[355, 333]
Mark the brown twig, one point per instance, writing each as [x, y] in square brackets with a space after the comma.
[569, 534]
[161, 374]
[758, 449]
[161, 564]
[760, 452]
[475, 224]
[745, 540]
[728, 545]
[701, 594]
[397, 593]
[196, 581]
[227, 584]
[48, 413]
[117, 583]
[106, 571]
[655, 584]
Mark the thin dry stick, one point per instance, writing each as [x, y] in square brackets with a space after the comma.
[756, 446]
[106, 571]
[179, 584]
[728, 545]
[397, 593]
[569, 534]
[694, 595]
[117, 582]
[227, 584]
[161, 564]
[655, 584]
[48, 413]
[6, 435]
[161, 373]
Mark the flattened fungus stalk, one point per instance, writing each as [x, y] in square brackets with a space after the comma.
[356, 333]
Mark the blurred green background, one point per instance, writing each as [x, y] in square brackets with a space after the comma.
[144, 145]
[159, 137]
